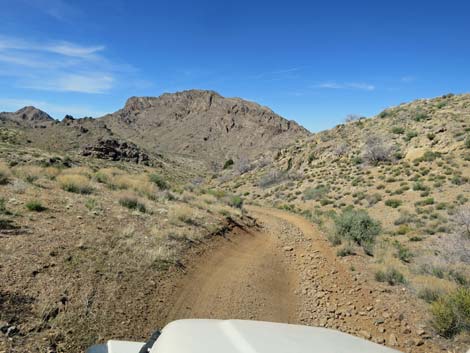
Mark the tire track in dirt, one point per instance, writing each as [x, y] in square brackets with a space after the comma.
[246, 277]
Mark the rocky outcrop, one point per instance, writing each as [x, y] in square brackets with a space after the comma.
[116, 150]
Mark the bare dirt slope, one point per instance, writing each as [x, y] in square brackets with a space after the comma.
[245, 278]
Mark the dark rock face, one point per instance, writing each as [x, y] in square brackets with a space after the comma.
[117, 151]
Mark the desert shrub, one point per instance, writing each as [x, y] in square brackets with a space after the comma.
[467, 142]
[430, 294]
[391, 275]
[357, 226]
[316, 193]
[356, 160]
[235, 201]
[35, 205]
[75, 183]
[431, 136]
[182, 213]
[106, 175]
[426, 202]
[346, 250]
[410, 135]
[5, 174]
[451, 313]
[461, 219]
[419, 186]
[377, 150]
[398, 130]
[228, 163]
[3, 207]
[131, 202]
[393, 203]
[272, 178]
[430, 156]
[373, 199]
[403, 253]
[420, 116]
[159, 181]
[29, 173]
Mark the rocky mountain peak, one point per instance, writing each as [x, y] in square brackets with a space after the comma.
[33, 114]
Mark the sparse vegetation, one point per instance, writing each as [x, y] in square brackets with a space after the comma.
[357, 226]
[391, 275]
[451, 313]
[131, 202]
[35, 205]
[75, 183]
[159, 181]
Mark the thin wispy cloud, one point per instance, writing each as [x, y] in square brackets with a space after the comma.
[346, 85]
[59, 66]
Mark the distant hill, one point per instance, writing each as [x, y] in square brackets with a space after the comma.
[200, 125]
[203, 125]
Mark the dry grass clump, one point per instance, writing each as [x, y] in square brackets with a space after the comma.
[51, 172]
[84, 171]
[138, 183]
[75, 183]
[132, 202]
[28, 173]
[5, 174]
[181, 213]
[106, 175]
[430, 288]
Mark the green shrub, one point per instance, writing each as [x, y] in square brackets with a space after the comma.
[430, 156]
[451, 313]
[403, 253]
[132, 203]
[3, 208]
[228, 163]
[392, 276]
[429, 294]
[316, 193]
[35, 205]
[4, 176]
[410, 135]
[235, 201]
[398, 130]
[394, 203]
[467, 142]
[357, 226]
[159, 181]
[420, 116]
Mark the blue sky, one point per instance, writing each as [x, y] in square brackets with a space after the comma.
[311, 61]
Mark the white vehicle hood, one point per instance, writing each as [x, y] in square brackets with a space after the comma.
[237, 336]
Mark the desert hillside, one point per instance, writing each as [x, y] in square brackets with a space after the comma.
[199, 125]
[113, 227]
[391, 193]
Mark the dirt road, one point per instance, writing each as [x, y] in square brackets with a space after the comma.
[288, 272]
[245, 278]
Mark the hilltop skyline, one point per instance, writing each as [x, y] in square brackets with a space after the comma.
[313, 63]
